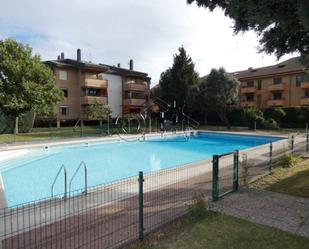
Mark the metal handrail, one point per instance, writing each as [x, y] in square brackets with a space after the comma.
[189, 118]
[85, 176]
[65, 181]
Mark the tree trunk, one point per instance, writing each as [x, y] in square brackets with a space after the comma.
[16, 125]
[32, 121]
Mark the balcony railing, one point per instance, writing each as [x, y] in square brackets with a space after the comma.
[85, 100]
[304, 84]
[248, 103]
[134, 87]
[275, 102]
[276, 87]
[134, 102]
[96, 83]
[247, 89]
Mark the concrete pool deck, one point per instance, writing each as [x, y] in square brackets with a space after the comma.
[73, 141]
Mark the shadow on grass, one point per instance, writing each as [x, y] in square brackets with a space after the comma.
[298, 184]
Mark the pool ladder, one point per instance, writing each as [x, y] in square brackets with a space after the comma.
[63, 168]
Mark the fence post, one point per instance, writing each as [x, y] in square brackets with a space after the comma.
[292, 145]
[270, 155]
[307, 143]
[215, 178]
[140, 206]
[235, 177]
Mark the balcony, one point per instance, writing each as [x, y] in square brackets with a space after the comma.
[304, 101]
[248, 103]
[275, 102]
[134, 87]
[276, 87]
[86, 100]
[134, 102]
[246, 89]
[96, 83]
[304, 84]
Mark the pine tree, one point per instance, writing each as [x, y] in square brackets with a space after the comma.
[175, 82]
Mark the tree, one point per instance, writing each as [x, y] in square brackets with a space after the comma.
[26, 84]
[175, 82]
[97, 111]
[283, 26]
[276, 113]
[254, 117]
[219, 90]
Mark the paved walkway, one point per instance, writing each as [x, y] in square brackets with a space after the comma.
[286, 212]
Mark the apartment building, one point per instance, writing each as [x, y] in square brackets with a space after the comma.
[123, 90]
[284, 84]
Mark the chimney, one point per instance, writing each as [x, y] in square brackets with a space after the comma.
[79, 55]
[62, 56]
[118, 65]
[131, 64]
[58, 57]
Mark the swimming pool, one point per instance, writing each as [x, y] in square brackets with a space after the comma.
[30, 176]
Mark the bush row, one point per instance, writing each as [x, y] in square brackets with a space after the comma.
[295, 117]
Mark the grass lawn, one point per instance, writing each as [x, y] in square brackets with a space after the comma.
[218, 231]
[52, 133]
[293, 181]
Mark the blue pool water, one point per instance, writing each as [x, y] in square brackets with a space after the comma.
[30, 177]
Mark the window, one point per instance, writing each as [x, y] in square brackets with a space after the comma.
[299, 79]
[277, 95]
[65, 92]
[250, 84]
[64, 110]
[259, 85]
[250, 97]
[307, 94]
[277, 81]
[63, 75]
[93, 92]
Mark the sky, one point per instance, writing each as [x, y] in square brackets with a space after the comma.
[115, 31]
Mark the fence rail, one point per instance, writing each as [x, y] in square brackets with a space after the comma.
[113, 214]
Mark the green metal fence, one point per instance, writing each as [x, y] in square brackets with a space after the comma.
[224, 168]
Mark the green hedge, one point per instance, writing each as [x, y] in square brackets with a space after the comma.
[296, 117]
[7, 124]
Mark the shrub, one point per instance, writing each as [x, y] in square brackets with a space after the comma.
[199, 207]
[277, 114]
[253, 115]
[270, 124]
[287, 161]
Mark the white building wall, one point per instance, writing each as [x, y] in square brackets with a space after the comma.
[114, 91]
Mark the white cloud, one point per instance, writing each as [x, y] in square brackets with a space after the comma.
[114, 31]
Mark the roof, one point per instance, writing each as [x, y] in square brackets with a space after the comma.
[96, 67]
[76, 64]
[124, 71]
[290, 65]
